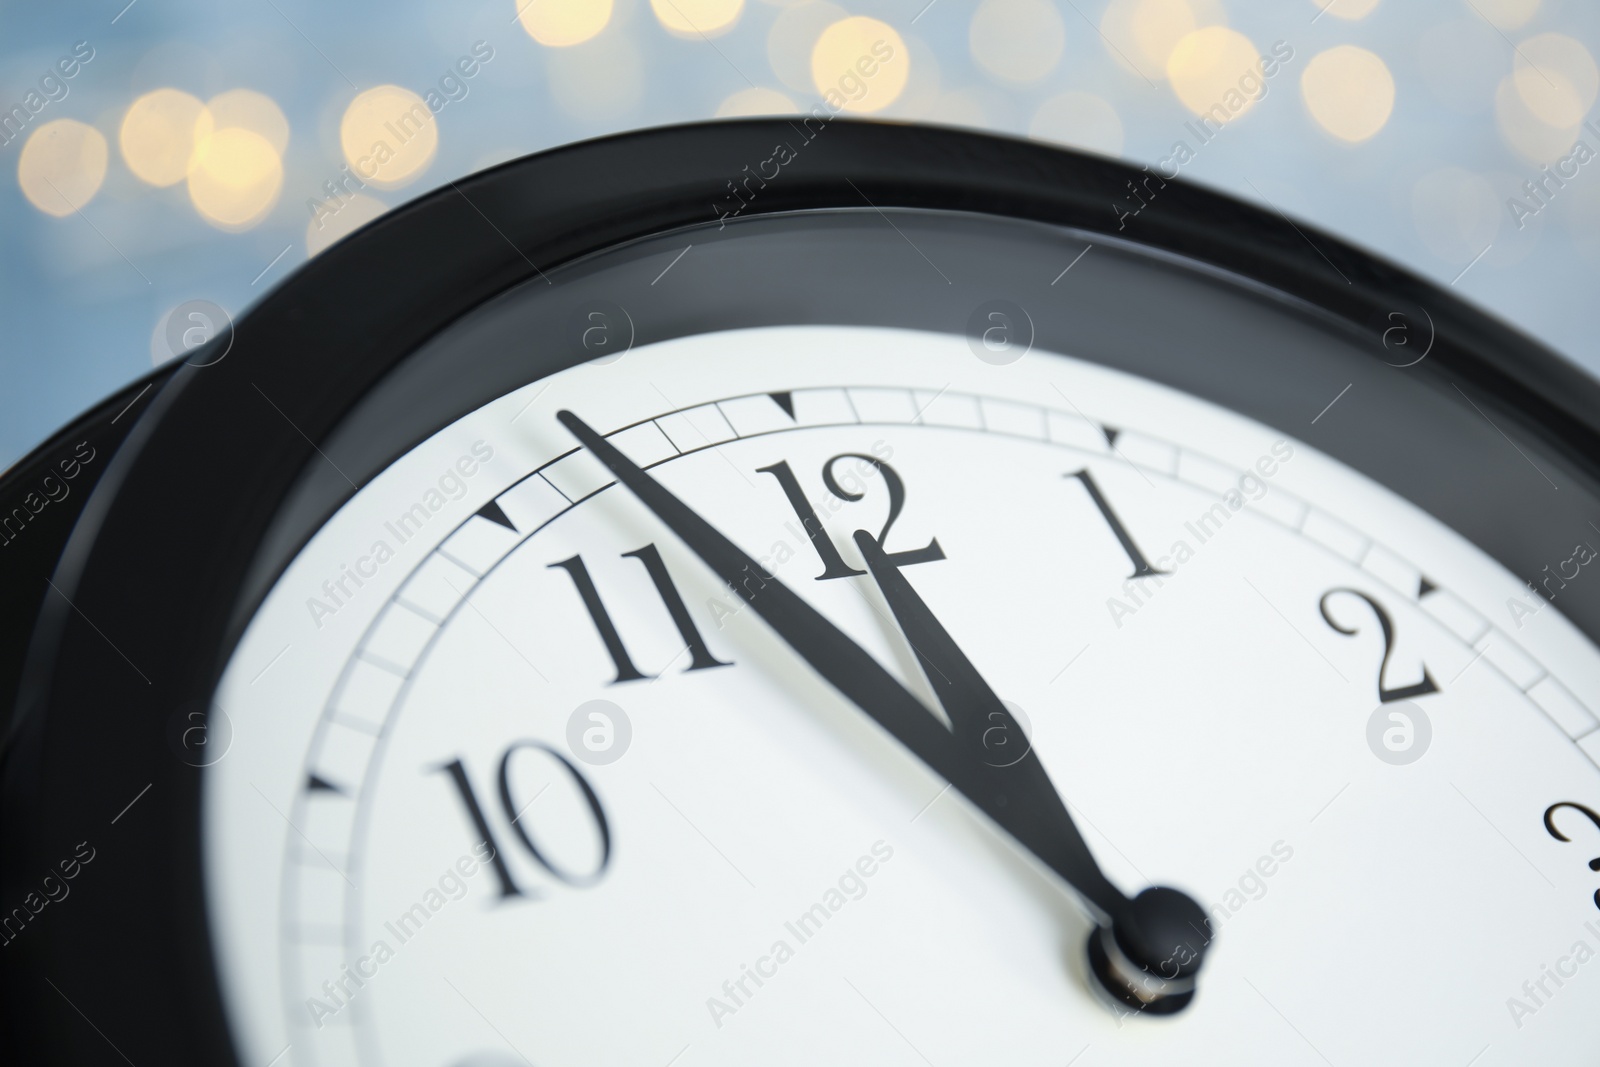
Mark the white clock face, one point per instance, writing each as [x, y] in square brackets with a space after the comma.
[514, 777]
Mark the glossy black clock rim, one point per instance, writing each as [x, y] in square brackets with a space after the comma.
[171, 528]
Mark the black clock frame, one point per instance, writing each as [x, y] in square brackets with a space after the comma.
[162, 555]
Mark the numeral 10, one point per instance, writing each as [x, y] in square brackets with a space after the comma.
[457, 771]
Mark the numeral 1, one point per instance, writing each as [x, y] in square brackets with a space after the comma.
[700, 656]
[1141, 566]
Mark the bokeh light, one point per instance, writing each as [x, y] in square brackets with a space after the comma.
[692, 18]
[859, 64]
[246, 109]
[1141, 34]
[159, 133]
[388, 136]
[1356, 125]
[1505, 14]
[1215, 67]
[1349, 10]
[1556, 78]
[235, 178]
[1349, 91]
[62, 165]
[341, 219]
[1016, 40]
[1080, 120]
[560, 23]
[1521, 129]
[792, 37]
[757, 101]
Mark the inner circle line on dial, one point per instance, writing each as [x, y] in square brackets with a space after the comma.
[330, 717]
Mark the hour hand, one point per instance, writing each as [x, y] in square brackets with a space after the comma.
[1148, 949]
[1140, 932]
[1039, 818]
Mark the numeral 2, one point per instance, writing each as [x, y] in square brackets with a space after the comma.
[1385, 694]
[1550, 825]
[833, 565]
[508, 803]
[700, 656]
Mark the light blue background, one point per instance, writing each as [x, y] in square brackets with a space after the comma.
[80, 296]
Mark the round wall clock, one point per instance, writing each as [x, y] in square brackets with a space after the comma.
[809, 591]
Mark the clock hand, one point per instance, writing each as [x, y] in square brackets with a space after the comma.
[853, 671]
[1141, 968]
[1162, 932]
[974, 710]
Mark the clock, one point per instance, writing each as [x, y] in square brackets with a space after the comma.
[800, 591]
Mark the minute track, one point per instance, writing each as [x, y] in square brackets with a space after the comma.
[1148, 949]
[1075, 435]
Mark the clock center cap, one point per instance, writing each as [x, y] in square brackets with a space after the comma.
[1148, 958]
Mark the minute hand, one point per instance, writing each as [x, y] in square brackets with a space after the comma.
[1040, 819]
[1005, 795]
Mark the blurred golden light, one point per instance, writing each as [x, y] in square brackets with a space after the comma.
[235, 178]
[1347, 9]
[559, 23]
[1505, 14]
[159, 133]
[791, 37]
[1349, 91]
[691, 18]
[1556, 78]
[1456, 213]
[247, 109]
[389, 136]
[1016, 40]
[1141, 34]
[755, 102]
[1080, 120]
[859, 64]
[1216, 68]
[1521, 129]
[341, 220]
[62, 165]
